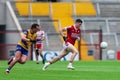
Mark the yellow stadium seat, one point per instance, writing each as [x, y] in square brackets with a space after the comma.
[37, 9]
[62, 9]
[40, 9]
[23, 9]
[85, 9]
[43, 9]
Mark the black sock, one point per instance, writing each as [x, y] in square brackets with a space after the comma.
[37, 52]
[9, 68]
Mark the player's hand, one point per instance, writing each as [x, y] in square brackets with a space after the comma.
[78, 38]
[33, 41]
[64, 38]
[38, 40]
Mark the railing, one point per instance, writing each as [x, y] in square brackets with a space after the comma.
[38, 20]
[107, 21]
[13, 16]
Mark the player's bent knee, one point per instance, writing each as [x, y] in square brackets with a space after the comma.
[23, 62]
[76, 52]
[17, 59]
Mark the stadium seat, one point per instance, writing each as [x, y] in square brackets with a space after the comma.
[82, 9]
[62, 9]
[85, 9]
[23, 9]
[38, 10]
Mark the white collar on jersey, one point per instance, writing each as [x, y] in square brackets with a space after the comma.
[75, 27]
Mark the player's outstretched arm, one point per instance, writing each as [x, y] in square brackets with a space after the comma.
[61, 31]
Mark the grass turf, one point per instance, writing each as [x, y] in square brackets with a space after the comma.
[84, 70]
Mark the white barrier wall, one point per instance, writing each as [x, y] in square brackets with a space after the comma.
[2, 13]
[49, 55]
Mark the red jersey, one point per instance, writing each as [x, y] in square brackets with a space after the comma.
[72, 34]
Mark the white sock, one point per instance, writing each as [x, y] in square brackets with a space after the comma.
[48, 63]
[70, 64]
[14, 58]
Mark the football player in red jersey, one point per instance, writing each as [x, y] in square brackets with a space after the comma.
[73, 33]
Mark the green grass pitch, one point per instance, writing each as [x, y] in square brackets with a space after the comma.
[84, 70]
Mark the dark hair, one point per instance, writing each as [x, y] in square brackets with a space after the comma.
[78, 20]
[34, 26]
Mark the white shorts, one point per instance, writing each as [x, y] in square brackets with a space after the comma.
[66, 44]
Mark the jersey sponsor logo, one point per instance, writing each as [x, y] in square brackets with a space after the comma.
[74, 35]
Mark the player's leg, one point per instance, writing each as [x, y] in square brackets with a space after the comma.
[74, 53]
[41, 54]
[37, 55]
[39, 51]
[24, 55]
[63, 53]
[17, 57]
[11, 59]
[23, 59]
